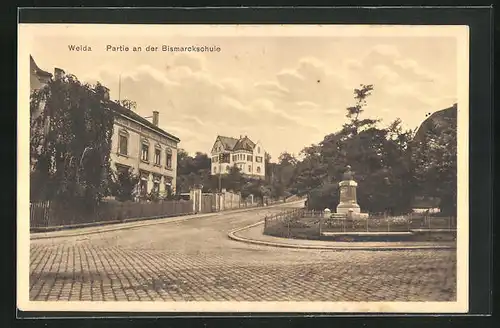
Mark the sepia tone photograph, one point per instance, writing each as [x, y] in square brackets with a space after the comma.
[243, 168]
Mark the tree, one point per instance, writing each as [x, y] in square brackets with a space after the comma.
[124, 184]
[379, 157]
[234, 180]
[310, 172]
[434, 157]
[194, 171]
[129, 104]
[70, 143]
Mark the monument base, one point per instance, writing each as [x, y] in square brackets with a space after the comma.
[346, 208]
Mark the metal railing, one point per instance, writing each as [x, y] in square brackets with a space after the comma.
[301, 221]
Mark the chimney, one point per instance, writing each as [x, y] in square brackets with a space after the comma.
[156, 115]
[58, 73]
[105, 92]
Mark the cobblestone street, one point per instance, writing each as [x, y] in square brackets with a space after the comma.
[194, 260]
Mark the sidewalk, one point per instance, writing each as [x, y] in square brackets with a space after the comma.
[253, 234]
[107, 226]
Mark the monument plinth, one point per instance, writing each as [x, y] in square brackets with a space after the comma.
[348, 201]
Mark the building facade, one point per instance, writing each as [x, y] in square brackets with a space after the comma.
[137, 144]
[246, 155]
[142, 147]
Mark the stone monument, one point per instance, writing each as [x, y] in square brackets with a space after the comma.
[348, 203]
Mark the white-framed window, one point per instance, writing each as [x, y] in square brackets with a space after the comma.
[258, 169]
[156, 187]
[258, 150]
[227, 168]
[123, 142]
[258, 159]
[249, 158]
[145, 151]
[169, 159]
[143, 184]
[168, 184]
[249, 168]
[157, 156]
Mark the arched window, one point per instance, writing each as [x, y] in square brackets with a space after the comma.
[258, 169]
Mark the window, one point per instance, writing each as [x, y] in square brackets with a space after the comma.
[215, 159]
[234, 158]
[168, 188]
[145, 152]
[169, 159]
[258, 150]
[157, 156]
[258, 159]
[249, 168]
[144, 187]
[123, 143]
[258, 169]
[215, 169]
[227, 168]
[143, 184]
[249, 158]
[122, 169]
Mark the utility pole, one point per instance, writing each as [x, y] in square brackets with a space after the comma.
[119, 88]
[221, 157]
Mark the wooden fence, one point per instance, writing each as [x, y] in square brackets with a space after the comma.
[47, 214]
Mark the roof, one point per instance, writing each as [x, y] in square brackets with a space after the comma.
[136, 117]
[35, 69]
[114, 106]
[244, 144]
[228, 142]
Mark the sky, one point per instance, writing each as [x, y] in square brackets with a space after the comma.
[287, 92]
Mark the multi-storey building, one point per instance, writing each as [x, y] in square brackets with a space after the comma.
[144, 147]
[137, 143]
[246, 155]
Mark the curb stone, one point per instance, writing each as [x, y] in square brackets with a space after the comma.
[147, 222]
[232, 235]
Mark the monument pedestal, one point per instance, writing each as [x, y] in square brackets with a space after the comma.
[348, 202]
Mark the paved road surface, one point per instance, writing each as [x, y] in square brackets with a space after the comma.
[194, 260]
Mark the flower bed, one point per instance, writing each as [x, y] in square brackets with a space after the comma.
[301, 226]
